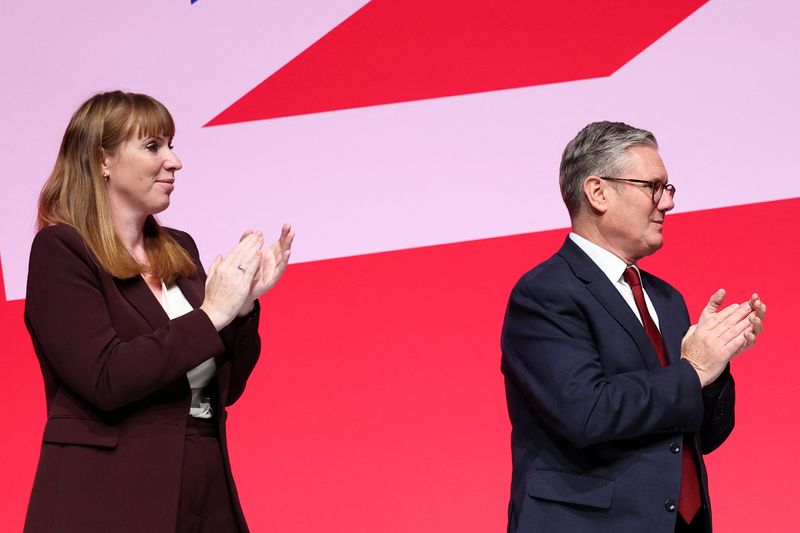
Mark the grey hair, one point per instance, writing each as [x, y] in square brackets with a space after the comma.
[597, 150]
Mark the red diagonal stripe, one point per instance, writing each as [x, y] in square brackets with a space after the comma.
[401, 50]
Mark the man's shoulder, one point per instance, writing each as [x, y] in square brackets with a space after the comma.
[554, 267]
[552, 276]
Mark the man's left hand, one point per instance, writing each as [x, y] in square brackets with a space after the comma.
[756, 321]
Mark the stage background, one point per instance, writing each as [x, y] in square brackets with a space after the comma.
[415, 145]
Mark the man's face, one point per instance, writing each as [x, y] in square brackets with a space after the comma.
[633, 223]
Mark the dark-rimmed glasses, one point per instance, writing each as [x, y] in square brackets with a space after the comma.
[657, 187]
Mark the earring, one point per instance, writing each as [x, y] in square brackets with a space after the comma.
[105, 176]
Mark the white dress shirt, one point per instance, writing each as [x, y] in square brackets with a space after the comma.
[614, 267]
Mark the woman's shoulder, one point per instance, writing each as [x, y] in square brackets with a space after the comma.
[176, 233]
[58, 236]
[58, 230]
[182, 238]
[59, 246]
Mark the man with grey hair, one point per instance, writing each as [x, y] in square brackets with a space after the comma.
[613, 396]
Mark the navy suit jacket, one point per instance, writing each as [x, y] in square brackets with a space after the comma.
[598, 424]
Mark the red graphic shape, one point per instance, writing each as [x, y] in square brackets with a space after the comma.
[378, 404]
[2, 284]
[380, 390]
[401, 50]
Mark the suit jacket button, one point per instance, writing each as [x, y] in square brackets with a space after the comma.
[674, 447]
[670, 506]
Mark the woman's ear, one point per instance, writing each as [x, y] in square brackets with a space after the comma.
[105, 158]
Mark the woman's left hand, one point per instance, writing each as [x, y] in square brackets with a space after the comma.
[273, 263]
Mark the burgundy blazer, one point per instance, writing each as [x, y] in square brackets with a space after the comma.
[114, 369]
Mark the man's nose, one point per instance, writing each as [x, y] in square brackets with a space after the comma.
[666, 202]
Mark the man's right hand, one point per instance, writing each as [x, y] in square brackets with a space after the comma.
[720, 335]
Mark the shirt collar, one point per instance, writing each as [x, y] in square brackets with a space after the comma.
[611, 265]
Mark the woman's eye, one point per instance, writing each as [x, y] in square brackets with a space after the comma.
[153, 147]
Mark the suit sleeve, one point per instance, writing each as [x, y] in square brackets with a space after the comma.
[550, 355]
[244, 346]
[67, 315]
[719, 399]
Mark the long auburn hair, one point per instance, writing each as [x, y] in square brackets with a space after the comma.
[75, 193]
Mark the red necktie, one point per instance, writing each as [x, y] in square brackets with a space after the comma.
[689, 499]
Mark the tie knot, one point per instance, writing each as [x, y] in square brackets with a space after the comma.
[631, 276]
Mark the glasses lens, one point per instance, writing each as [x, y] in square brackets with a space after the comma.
[658, 190]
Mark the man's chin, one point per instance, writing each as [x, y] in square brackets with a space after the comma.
[655, 245]
[651, 246]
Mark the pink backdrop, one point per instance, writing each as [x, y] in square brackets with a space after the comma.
[414, 146]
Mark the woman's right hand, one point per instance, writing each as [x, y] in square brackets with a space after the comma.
[230, 279]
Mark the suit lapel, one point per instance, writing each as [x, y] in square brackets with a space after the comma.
[137, 293]
[609, 297]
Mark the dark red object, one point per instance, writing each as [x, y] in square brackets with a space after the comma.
[689, 498]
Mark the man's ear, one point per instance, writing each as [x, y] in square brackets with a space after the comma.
[596, 194]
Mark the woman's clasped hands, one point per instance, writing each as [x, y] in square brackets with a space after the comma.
[236, 281]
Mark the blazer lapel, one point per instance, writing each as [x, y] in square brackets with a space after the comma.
[609, 297]
[193, 290]
[137, 293]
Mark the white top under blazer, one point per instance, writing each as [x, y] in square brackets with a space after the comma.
[175, 304]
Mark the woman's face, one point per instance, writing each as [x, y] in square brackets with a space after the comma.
[141, 176]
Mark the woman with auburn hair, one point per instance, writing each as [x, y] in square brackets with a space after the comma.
[140, 351]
